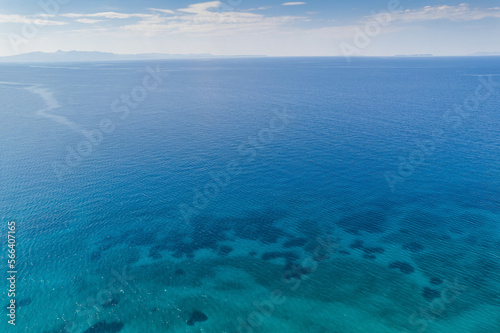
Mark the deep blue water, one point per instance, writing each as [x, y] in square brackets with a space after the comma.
[224, 182]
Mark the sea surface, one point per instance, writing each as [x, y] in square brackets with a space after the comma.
[252, 195]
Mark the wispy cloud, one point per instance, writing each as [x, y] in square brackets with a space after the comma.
[293, 3]
[209, 18]
[87, 21]
[215, 27]
[259, 8]
[110, 15]
[39, 20]
[462, 12]
[167, 11]
[202, 7]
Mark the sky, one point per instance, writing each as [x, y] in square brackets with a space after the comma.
[252, 27]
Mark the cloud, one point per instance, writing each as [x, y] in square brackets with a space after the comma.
[41, 19]
[199, 8]
[110, 15]
[87, 21]
[293, 3]
[462, 12]
[167, 11]
[259, 8]
[210, 18]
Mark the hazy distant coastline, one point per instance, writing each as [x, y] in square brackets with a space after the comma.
[84, 56]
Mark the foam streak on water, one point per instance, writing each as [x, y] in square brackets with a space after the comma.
[51, 103]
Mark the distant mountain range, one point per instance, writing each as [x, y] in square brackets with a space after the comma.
[81, 56]
[414, 55]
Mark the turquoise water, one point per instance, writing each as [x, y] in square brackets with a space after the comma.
[253, 195]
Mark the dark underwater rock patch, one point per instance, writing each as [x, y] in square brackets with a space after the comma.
[177, 254]
[369, 251]
[295, 271]
[205, 233]
[154, 253]
[141, 238]
[436, 281]
[96, 255]
[402, 266]
[370, 222]
[24, 302]
[259, 226]
[373, 250]
[132, 237]
[357, 244]
[413, 247]
[58, 329]
[21, 303]
[224, 250]
[295, 242]
[289, 256]
[197, 317]
[111, 303]
[208, 233]
[179, 272]
[104, 327]
[180, 249]
[133, 258]
[430, 294]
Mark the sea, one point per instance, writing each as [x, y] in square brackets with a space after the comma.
[251, 195]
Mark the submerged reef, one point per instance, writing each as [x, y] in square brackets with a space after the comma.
[436, 281]
[369, 251]
[111, 303]
[373, 250]
[298, 242]
[24, 302]
[370, 256]
[357, 244]
[402, 266]
[104, 327]
[289, 256]
[429, 293]
[413, 247]
[197, 317]
[224, 250]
